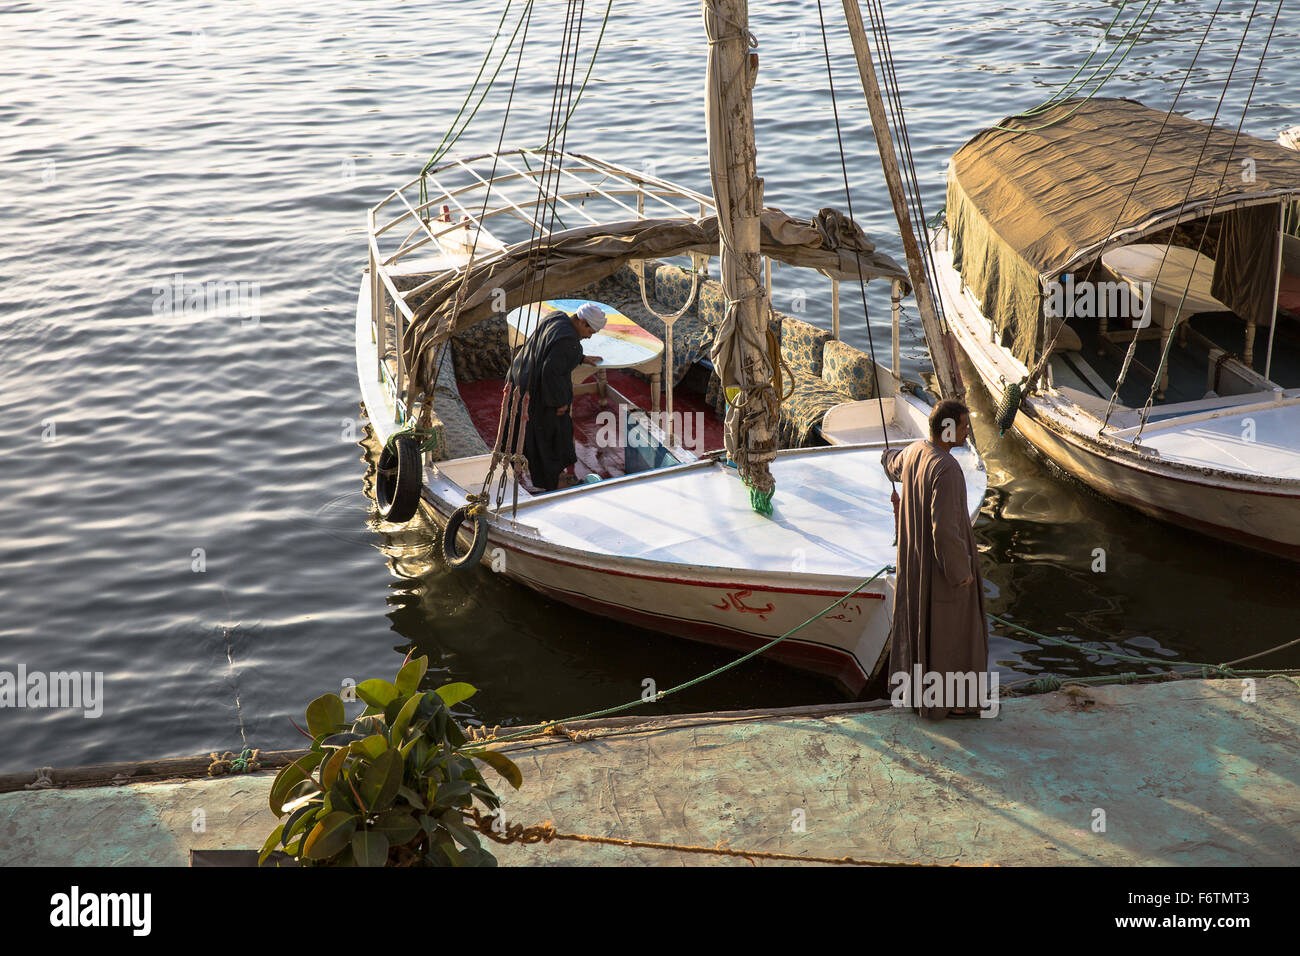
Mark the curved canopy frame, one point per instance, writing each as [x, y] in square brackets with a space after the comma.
[440, 293]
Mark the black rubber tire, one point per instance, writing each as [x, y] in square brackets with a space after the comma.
[398, 480]
[455, 560]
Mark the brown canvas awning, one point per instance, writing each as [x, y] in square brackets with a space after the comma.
[1026, 205]
[527, 272]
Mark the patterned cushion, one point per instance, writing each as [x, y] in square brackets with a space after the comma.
[803, 411]
[710, 303]
[620, 289]
[848, 369]
[801, 346]
[482, 350]
[672, 287]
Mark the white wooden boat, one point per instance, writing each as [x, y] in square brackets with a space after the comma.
[1212, 442]
[677, 548]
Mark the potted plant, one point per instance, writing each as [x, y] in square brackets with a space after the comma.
[390, 787]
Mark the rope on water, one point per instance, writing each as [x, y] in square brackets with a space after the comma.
[546, 833]
[1049, 683]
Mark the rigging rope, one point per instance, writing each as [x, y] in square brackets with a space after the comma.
[1060, 93]
[862, 285]
[440, 151]
[1045, 106]
[1132, 347]
[1164, 356]
[590, 64]
[893, 98]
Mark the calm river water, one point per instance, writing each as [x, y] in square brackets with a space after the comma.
[182, 504]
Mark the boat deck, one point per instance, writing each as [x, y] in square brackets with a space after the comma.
[1267, 447]
[831, 514]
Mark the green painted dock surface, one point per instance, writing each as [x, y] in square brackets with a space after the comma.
[1186, 772]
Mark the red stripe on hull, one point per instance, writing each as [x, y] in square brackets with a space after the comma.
[840, 666]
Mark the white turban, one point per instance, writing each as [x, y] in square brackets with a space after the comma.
[593, 315]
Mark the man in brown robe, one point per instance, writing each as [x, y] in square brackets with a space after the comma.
[939, 619]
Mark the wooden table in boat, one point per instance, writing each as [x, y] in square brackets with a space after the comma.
[1183, 288]
[620, 344]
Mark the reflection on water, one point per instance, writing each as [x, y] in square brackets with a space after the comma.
[241, 143]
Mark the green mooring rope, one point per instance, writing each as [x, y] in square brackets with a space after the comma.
[690, 683]
[427, 437]
[1042, 685]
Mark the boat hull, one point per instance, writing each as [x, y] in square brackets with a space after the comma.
[712, 606]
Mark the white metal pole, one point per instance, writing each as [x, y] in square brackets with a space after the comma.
[835, 308]
[377, 316]
[668, 376]
[896, 311]
[1277, 285]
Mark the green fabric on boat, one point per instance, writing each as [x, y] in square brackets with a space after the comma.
[1245, 272]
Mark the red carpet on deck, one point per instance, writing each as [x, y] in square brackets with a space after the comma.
[483, 400]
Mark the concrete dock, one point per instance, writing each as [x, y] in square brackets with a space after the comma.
[1178, 773]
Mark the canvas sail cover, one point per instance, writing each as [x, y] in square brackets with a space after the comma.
[532, 271]
[1025, 206]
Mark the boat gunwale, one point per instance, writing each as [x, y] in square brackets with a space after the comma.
[1049, 411]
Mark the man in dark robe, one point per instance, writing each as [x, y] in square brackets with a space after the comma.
[544, 370]
[939, 619]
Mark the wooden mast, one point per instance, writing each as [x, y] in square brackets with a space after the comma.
[740, 353]
[949, 384]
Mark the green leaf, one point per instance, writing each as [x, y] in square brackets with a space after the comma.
[379, 781]
[341, 740]
[449, 848]
[299, 800]
[370, 848]
[376, 692]
[269, 846]
[330, 772]
[502, 765]
[412, 672]
[453, 694]
[478, 856]
[404, 718]
[372, 748]
[453, 821]
[411, 797]
[451, 793]
[398, 825]
[325, 715]
[329, 836]
[289, 777]
[300, 821]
